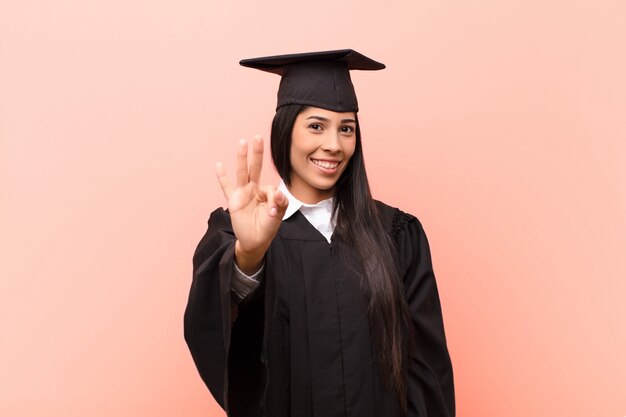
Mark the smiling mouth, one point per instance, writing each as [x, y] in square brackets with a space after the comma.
[326, 164]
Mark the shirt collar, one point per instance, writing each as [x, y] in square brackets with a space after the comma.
[295, 204]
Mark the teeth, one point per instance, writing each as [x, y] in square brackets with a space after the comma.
[325, 164]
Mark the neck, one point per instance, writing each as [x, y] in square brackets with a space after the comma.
[310, 196]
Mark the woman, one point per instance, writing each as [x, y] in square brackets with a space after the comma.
[313, 299]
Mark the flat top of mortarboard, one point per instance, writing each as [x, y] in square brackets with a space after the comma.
[275, 64]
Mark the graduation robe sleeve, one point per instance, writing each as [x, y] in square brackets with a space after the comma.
[430, 376]
[226, 352]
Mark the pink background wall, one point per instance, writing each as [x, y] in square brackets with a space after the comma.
[500, 124]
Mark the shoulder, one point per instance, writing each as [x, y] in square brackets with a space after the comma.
[218, 236]
[219, 218]
[395, 220]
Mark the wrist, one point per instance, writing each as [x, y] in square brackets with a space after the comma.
[248, 261]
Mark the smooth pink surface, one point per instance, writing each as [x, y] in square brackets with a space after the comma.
[501, 125]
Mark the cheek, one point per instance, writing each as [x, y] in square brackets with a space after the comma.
[297, 156]
[299, 151]
[349, 148]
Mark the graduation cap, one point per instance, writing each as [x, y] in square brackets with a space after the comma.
[319, 79]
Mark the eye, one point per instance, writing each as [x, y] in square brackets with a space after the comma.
[346, 129]
[315, 126]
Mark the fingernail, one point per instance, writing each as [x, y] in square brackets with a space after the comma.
[242, 142]
[273, 211]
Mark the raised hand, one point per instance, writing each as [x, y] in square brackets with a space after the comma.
[255, 211]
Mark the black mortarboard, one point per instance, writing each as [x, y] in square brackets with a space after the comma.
[319, 79]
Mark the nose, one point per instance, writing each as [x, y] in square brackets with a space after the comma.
[331, 142]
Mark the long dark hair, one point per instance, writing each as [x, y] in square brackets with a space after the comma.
[360, 227]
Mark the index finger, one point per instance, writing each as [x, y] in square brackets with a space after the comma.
[242, 163]
[256, 161]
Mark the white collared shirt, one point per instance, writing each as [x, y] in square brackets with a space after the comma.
[319, 215]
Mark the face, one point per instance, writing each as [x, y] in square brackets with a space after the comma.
[322, 143]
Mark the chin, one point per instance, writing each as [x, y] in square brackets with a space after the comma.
[325, 186]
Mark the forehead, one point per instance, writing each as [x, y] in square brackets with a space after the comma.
[326, 114]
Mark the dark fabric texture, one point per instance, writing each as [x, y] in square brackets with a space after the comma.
[300, 345]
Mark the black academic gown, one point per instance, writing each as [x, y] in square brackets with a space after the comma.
[300, 345]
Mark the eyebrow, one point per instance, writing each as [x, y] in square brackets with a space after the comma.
[324, 119]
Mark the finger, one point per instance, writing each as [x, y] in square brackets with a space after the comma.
[242, 163]
[267, 194]
[223, 179]
[257, 159]
[282, 202]
[271, 203]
